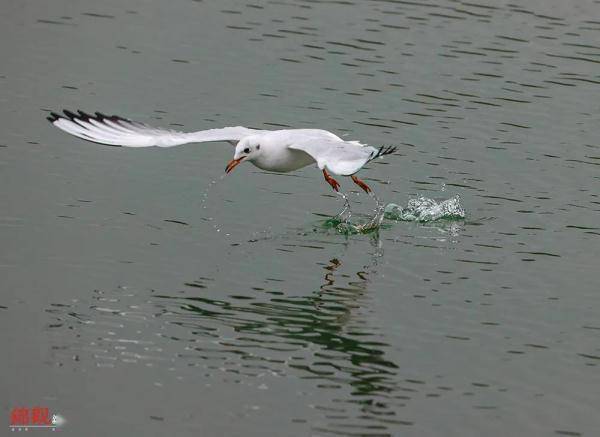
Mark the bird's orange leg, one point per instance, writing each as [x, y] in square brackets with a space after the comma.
[361, 184]
[331, 181]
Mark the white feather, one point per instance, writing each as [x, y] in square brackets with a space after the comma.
[117, 131]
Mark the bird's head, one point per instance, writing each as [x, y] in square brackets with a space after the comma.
[247, 149]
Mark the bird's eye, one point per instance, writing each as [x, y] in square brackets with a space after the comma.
[246, 150]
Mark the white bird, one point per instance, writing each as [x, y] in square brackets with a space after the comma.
[281, 151]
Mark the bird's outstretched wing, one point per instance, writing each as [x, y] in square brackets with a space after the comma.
[340, 157]
[113, 130]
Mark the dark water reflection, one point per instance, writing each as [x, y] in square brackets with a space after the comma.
[325, 336]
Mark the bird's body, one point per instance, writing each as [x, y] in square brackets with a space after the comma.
[278, 157]
[280, 151]
[282, 159]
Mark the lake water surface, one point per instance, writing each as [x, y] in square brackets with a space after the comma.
[143, 294]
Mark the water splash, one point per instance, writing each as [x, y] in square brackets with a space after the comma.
[378, 215]
[348, 227]
[346, 213]
[423, 209]
[343, 224]
[420, 209]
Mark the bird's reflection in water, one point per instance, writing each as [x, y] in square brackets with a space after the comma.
[326, 337]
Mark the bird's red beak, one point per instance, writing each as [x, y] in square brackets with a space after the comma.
[233, 164]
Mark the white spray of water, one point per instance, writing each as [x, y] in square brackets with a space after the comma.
[423, 209]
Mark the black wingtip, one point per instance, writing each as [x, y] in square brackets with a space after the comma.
[69, 114]
[80, 115]
[84, 115]
[385, 150]
[82, 118]
[118, 118]
[53, 117]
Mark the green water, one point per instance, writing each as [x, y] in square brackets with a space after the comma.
[143, 294]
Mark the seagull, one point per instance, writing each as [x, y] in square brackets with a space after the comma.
[278, 151]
